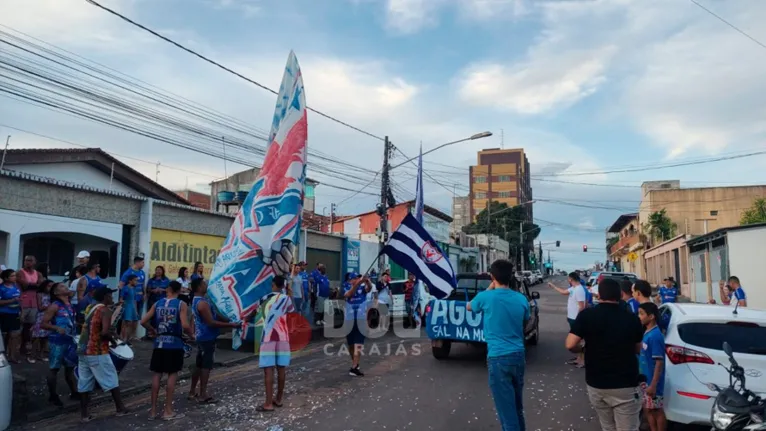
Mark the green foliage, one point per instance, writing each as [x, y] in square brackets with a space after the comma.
[660, 226]
[755, 214]
[503, 221]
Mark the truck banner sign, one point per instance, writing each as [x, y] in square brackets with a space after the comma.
[449, 320]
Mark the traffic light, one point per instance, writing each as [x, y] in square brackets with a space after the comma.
[558, 243]
[532, 259]
[585, 248]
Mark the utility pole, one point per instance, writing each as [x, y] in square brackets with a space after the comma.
[384, 195]
[332, 217]
[521, 245]
[540, 258]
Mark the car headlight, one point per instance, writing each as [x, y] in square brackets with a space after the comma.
[3, 360]
[720, 419]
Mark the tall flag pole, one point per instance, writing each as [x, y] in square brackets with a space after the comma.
[418, 294]
[262, 239]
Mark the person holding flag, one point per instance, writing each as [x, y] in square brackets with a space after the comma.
[261, 241]
[355, 291]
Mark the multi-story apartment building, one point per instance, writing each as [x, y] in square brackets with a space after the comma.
[461, 213]
[500, 176]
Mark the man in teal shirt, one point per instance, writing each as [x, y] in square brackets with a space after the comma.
[505, 313]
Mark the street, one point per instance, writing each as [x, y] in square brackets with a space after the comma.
[403, 388]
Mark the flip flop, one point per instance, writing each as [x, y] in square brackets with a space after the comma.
[263, 409]
[173, 417]
[86, 420]
[122, 413]
[191, 397]
[208, 400]
[276, 404]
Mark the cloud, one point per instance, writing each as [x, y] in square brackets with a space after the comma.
[248, 8]
[544, 82]
[410, 16]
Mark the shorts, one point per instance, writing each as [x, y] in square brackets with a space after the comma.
[205, 354]
[61, 355]
[355, 336]
[651, 403]
[274, 354]
[320, 304]
[29, 316]
[10, 323]
[167, 361]
[571, 323]
[96, 368]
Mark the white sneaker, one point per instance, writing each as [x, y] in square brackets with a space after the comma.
[318, 323]
[323, 323]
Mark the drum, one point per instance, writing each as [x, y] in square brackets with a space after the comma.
[121, 355]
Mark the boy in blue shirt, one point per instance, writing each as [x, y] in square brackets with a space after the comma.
[668, 292]
[652, 362]
[505, 313]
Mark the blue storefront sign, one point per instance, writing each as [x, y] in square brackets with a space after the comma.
[449, 320]
[352, 256]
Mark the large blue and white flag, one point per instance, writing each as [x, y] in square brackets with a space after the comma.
[262, 238]
[412, 248]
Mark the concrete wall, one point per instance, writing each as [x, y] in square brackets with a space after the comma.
[76, 173]
[721, 206]
[189, 220]
[746, 262]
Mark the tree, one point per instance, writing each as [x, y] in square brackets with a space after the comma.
[660, 226]
[503, 221]
[755, 214]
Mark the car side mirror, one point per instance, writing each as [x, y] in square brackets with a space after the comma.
[727, 349]
[535, 295]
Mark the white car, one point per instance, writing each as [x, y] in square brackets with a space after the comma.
[6, 389]
[694, 349]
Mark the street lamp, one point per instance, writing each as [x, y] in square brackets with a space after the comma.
[470, 138]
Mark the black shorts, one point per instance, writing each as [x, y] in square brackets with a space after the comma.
[10, 323]
[355, 336]
[205, 354]
[167, 361]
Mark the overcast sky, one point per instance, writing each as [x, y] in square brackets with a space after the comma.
[583, 86]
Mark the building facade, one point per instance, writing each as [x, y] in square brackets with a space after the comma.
[696, 211]
[243, 182]
[626, 254]
[461, 213]
[500, 176]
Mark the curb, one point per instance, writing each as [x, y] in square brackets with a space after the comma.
[48, 413]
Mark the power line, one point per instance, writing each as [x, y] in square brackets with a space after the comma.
[225, 68]
[723, 20]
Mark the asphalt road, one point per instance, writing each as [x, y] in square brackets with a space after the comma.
[406, 389]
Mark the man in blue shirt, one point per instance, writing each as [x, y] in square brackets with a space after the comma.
[321, 286]
[736, 296]
[138, 270]
[306, 288]
[668, 292]
[652, 363]
[505, 314]
[355, 290]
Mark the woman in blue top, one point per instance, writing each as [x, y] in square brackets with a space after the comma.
[355, 291]
[10, 313]
[157, 285]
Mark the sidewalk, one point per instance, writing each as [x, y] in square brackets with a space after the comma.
[30, 391]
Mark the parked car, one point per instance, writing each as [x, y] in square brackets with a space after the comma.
[6, 389]
[618, 276]
[397, 308]
[694, 337]
[539, 276]
[446, 323]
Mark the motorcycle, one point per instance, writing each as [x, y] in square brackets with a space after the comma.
[736, 408]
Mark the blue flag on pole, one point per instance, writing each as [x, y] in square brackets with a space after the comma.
[412, 248]
[262, 238]
[418, 294]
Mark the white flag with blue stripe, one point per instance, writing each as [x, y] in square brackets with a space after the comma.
[412, 248]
